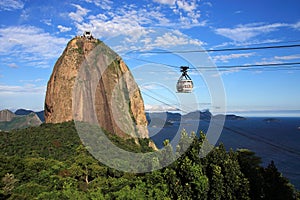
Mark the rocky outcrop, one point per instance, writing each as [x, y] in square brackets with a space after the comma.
[91, 83]
[6, 115]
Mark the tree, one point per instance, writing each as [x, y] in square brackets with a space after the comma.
[192, 179]
[85, 168]
[184, 143]
[167, 155]
[250, 167]
[173, 182]
[9, 181]
[71, 192]
[191, 182]
[28, 190]
[216, 184]
[223, 169]
[275, 185]
[156, 185]
[266, 183]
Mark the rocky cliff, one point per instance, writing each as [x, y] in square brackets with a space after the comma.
[91, 83]
[6, 115]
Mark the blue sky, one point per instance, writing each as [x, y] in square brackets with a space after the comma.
[34, 33]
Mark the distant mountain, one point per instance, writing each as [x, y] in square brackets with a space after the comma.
[23, 112]
[203, 115]
[40, 114]
[230, 117]
[162, 119]
[169, 118]
[163, 115]
[10, 121]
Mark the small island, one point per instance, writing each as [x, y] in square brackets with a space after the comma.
[270, 120]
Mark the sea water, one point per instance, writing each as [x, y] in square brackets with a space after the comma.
[276, 139]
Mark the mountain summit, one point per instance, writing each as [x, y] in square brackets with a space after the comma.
[112, 99]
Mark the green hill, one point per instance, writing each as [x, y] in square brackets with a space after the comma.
[20, 122]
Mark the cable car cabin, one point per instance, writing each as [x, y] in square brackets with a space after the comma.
[184, 86]
[185, 83]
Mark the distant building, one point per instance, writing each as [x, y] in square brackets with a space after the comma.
[88, 35]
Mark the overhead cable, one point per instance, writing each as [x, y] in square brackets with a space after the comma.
[286, 64]
[222, 50]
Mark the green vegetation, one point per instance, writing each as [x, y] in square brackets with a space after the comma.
[49, 162]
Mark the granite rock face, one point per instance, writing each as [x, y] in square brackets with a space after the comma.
[91, 83]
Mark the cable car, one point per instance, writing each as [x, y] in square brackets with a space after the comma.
[184, 83]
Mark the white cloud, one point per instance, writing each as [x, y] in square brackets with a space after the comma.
[167, 2]
[242, 33]
[28, 96]
[134, 27]
[296, 25]
[13, 65]
[169, 39]
[189, 13]
[209, 4]
[11, 5]
[289, 57]
[79, 14]
[25, 15]
[246, 43]
[278, 59]
[149, 87]
[187, 6]
[267, 62]
[161, 108]
[114, 27]
[174, 38]
[122, 22]
[238, 12]
[32, 81]
[16, 89]
[225, 58]
[29, 45]
[130, 21]
[104, 4]
[225, 72]
[63, 28]
[47, 22]
[100, 16]
[157, 39]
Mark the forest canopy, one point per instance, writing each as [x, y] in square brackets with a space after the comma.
[50, 162]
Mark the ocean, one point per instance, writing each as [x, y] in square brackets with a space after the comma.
[274, 139]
